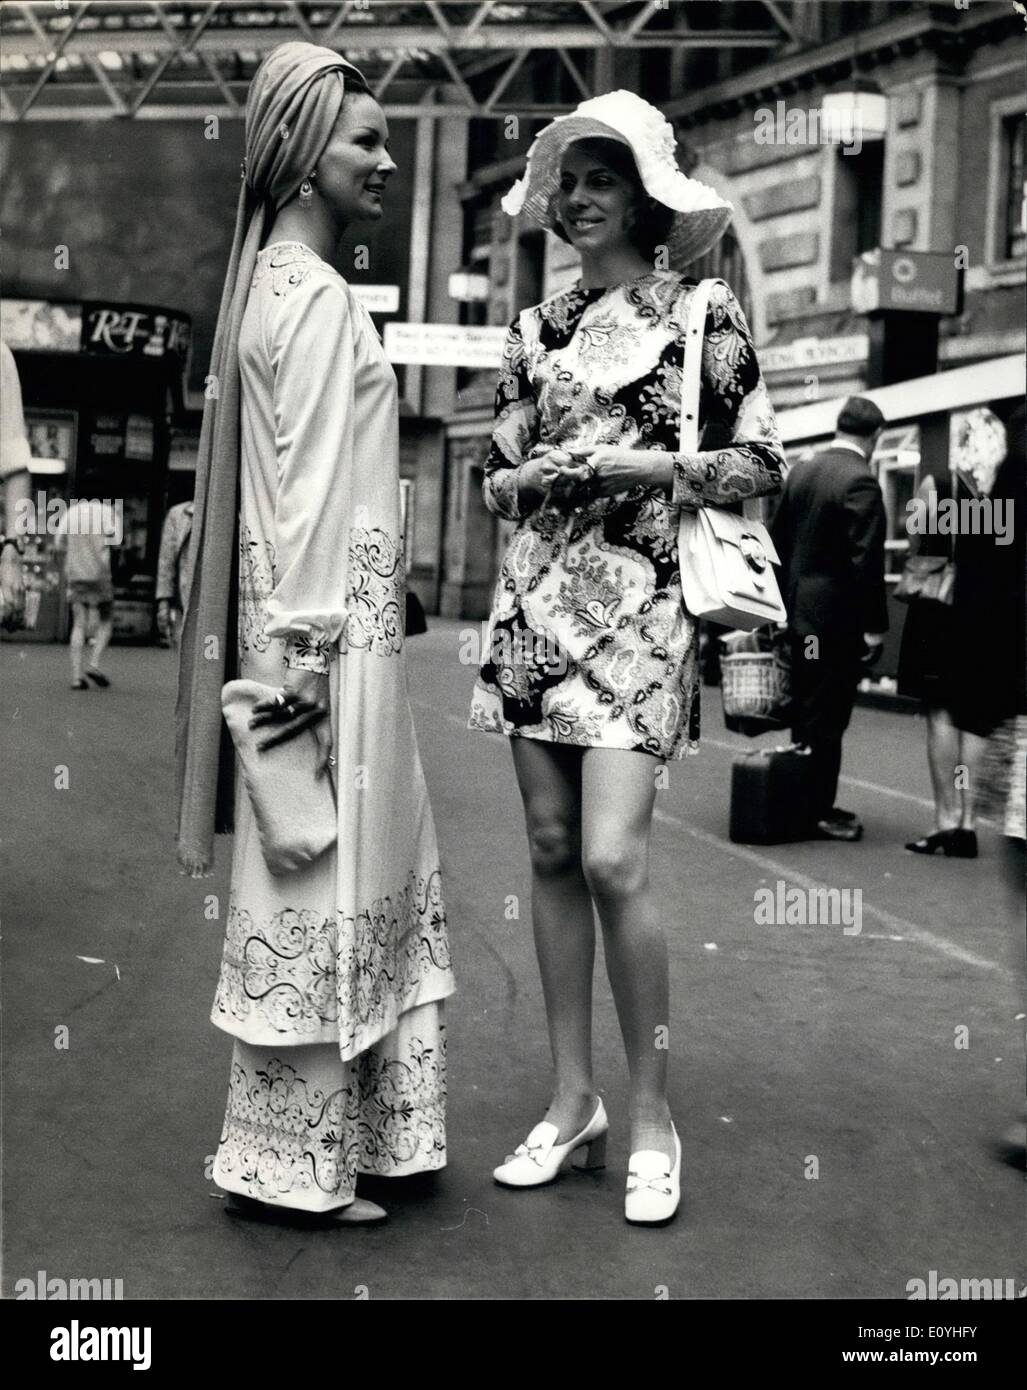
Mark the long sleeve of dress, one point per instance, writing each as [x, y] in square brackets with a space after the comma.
[514, 430]
[735, 402]
[312, 348]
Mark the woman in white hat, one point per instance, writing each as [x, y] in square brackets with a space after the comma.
[591, 662]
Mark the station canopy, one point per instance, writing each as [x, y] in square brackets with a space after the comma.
[163, 60]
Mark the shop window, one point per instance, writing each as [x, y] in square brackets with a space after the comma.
[896, 462]
[858, 195]
[1012, 222]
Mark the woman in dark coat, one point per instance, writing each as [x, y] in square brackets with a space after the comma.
[956, 658]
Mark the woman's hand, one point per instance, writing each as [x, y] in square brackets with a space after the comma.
[619, 470]
[302, 703]
[551, 474]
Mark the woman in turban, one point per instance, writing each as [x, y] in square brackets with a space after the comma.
[333, 975]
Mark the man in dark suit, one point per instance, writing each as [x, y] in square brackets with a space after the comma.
[829, 531]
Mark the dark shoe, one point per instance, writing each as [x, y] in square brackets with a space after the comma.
[965, 845]
[838, 814]
[98, 678]
[954, 844]
[831, 828]
[80, 685]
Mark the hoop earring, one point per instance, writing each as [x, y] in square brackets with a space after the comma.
[307, 192]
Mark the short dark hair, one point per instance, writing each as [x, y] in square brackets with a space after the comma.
[652, 223]
[860, 417]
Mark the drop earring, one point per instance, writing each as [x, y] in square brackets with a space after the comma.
[307, 192]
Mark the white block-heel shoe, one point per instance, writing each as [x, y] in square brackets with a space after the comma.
[654, 1186]
[539, 1159]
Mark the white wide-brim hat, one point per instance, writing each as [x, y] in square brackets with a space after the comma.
[701, 214]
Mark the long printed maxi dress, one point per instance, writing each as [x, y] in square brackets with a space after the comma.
[588, 642]
[332, 977]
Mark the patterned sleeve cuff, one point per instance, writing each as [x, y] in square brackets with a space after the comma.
[503, 490]
[689, 476]
[309, 654]
[722, 476]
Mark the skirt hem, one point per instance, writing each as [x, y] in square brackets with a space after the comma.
[687, 749]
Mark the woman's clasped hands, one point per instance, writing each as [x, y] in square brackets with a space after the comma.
[556, 477]
[573, 477]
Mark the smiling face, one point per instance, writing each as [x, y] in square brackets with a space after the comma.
[595, 205]
[356, 164]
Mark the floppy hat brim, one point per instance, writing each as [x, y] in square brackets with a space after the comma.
[701, 215]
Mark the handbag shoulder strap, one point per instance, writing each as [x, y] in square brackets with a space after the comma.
[691, 379]
[691, 366]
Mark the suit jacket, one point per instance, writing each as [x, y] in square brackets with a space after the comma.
[173, 569]
[829, 530]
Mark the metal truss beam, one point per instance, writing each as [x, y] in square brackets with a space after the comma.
[140, 58]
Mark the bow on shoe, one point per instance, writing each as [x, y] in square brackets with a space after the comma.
[528, 1151]
[641, 1183]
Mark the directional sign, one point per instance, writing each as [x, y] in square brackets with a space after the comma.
[444, 344]
[377, 299]
[814, 352]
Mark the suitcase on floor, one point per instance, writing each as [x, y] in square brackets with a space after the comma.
[771, 797]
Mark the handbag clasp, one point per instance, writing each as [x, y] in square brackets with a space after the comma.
[753, 552]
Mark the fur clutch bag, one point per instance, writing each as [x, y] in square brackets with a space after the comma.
[293, 807]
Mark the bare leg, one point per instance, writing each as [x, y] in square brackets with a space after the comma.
[549, 776]
[102, 636]
[971, 750]
[943, 755]
[77, 641]
[618, 790]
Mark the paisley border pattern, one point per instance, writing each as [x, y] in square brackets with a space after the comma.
[300, 1123]
[305, 977]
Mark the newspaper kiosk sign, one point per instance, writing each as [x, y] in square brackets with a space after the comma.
[923, 282]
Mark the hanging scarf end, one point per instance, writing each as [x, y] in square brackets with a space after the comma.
[195, 864]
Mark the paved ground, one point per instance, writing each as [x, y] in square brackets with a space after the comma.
[791, 1041]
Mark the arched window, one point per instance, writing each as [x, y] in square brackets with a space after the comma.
[726, 262]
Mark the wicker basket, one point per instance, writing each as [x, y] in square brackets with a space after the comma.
[756, 688]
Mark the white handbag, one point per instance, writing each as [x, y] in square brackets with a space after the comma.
[294, 808]
[726, 560]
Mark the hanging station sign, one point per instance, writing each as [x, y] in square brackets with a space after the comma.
[926, 282]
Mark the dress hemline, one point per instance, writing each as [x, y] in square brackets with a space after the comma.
[688, 749]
